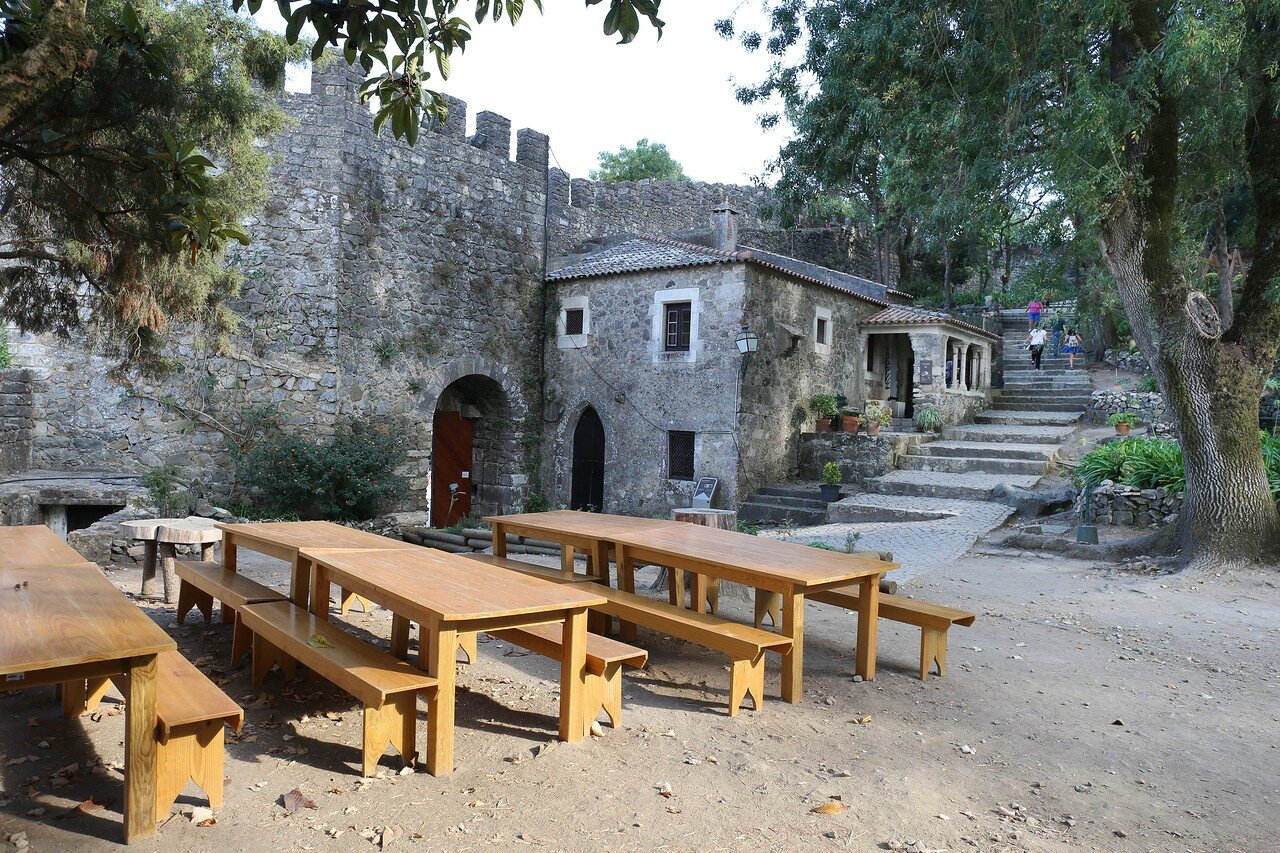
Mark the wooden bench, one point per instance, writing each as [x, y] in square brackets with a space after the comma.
[605, 659]
[202, 582]
[388, 688]
[190, 712]
[934, 620]
[532, 569]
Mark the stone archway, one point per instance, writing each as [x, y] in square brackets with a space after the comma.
[586, 490]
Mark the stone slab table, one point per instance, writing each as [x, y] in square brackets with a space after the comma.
[159, 537]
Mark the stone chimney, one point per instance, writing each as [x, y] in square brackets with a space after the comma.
[724, 228]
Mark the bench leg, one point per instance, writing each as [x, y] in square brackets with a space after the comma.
[746, 678]
[241, 641]
[265, 655]
[628, 631]
[713, 594]
[189, 596]
[399, 636]
[394, 723]
[467, 642]
[347, 598]
[73, 697]
[766, 605]
[97, 688]
[196, 752]
[611, 693]
[933, 649]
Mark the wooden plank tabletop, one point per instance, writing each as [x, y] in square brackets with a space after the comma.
[294, 535]
[749, 557]
[450, 587]
[592, 525]
[62, 617]
[33, 545]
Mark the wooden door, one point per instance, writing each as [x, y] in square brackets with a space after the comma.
[451, 456]
[587, 491]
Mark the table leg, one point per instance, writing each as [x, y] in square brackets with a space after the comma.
[499, 539]
[573, 678]
[868, 619]
[140, 750]
[167, 558]
[566, 560]
[150, 581]
[627, 583]
[300, 581]
[229, 563]
[698, 592]
[206, 552]
[440, 654]
[793, 661]
[320, 592]
[399, 636]
[600, 561]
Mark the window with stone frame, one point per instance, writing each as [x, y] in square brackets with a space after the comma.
[680, 455]
[677, 323]
[821, 335]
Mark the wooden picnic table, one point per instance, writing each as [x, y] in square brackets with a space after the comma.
[36, 546]
[63, 624]
[783, 568]
[284, 540]
[588, 532]
[449, 595]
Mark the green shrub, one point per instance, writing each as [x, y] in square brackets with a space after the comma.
[6, 357]
[342, 479]
[1128, 418]
[824, 405]
[536, 503]
[928, 419]
[831, 475]
[165, 491]
[1148, 385]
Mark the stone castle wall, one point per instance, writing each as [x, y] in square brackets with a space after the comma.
[17, 420]
[378, 275]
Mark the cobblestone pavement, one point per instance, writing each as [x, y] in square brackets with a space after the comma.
[919, 546]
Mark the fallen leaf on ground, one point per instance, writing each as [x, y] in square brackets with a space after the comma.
[830, 807]
[33, 721]
[295, 800]
[862, 721]
[89, 806]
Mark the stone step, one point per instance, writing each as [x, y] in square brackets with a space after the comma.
[1023, 396]
[1038, 406]
[1046, 386]
[1003, 416]
[1005, 433]
[972, 464]
[1043, 373]
[996, 449]
[796, 496]
[852, 511]
[764, 512]
[974, 487]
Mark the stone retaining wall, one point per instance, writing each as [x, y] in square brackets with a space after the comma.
[1128, 506]
[17, 420]
[1149, 407]
[861, 457]
[1135, 362]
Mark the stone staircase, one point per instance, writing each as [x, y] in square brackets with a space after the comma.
[1014, 443]
[796, 505]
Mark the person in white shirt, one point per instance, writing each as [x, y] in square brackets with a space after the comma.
[1038, 338]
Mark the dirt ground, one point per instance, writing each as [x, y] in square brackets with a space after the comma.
[1085, 709]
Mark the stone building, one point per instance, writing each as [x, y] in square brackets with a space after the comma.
[650, 391]
[409, 285]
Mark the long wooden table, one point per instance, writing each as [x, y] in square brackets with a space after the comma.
[783, 568]
[588, 532]
[34, 545]
[448, 595]
[285, 540]
[60, 624]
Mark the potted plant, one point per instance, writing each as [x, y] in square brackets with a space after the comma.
[825, 407]
[850, 421]
[831, 478]
[928, 419]
[1123, 422]
[877, 415]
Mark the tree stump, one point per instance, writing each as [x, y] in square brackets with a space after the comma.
[721, 519]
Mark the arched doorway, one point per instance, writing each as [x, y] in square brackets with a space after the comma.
[472, 446]
[587, 491]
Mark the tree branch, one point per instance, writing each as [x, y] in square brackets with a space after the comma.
[61, 49]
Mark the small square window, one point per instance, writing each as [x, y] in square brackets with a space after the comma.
[821, 335]
[678, 317]
[680, 455]
[573, 321]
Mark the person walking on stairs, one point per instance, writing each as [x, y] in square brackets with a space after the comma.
[1038, 338]
[1073, 348]
[1034, 308]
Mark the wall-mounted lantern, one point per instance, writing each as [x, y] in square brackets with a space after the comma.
[747, 341]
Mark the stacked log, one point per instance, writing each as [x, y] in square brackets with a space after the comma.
[469, 540]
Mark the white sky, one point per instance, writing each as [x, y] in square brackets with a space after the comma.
[559, 74]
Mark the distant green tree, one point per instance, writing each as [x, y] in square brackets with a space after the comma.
[648, 160]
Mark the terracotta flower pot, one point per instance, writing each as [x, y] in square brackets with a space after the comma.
[824, 424]
[850, 423]
[1122, 429]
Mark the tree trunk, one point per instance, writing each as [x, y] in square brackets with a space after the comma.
[1212, 386]
[1226, 272]
[61, 48]
[949, 299]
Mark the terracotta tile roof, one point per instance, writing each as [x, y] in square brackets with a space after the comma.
[908, 315]
[641, 254]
